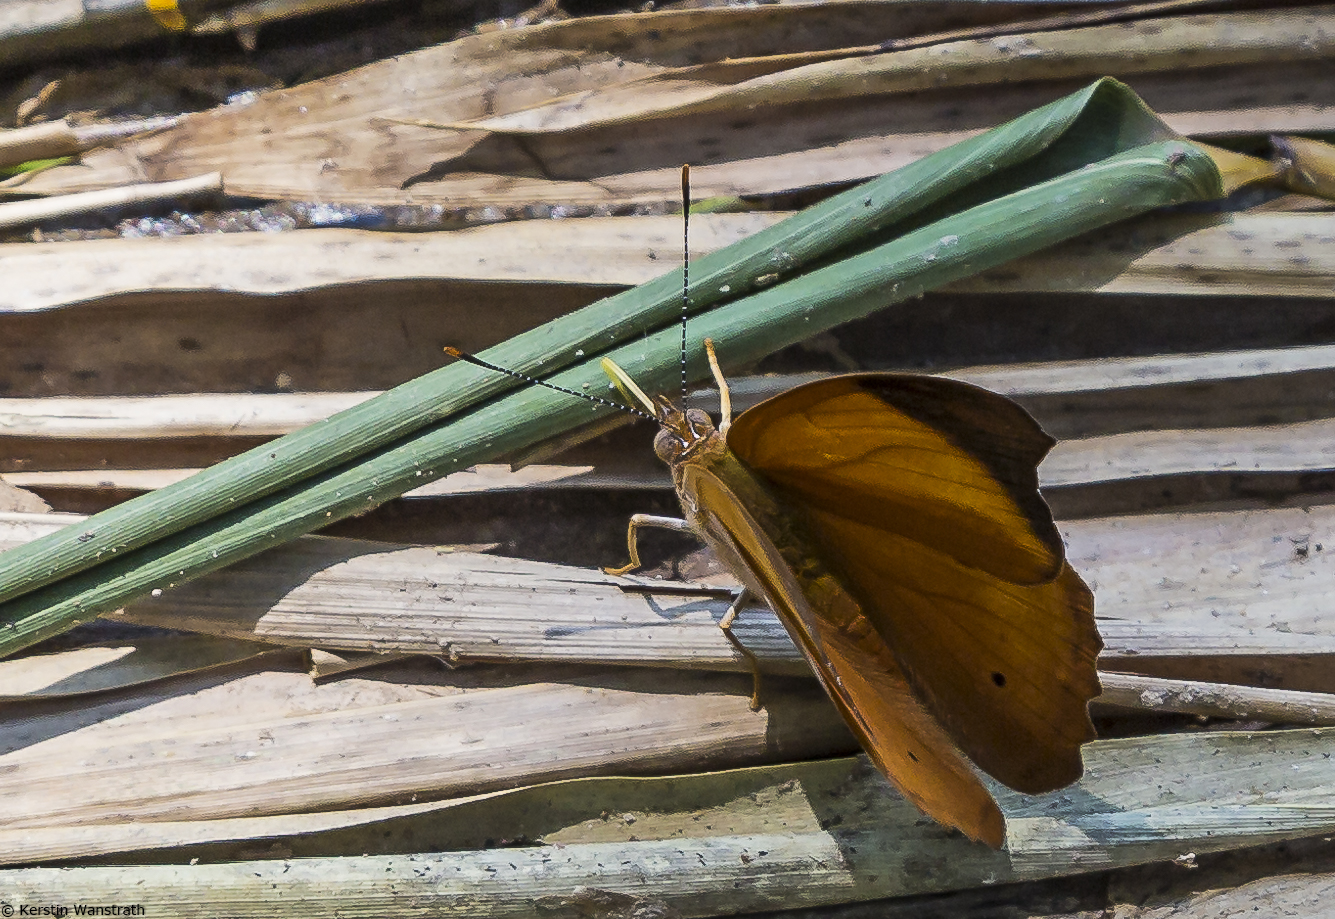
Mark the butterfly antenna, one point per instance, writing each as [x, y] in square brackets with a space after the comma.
[479, 362]
[685, 268]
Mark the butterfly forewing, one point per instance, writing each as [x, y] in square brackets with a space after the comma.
[946, 463]
[922, 496]
[851, 659]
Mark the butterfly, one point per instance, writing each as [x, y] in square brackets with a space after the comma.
[894, 524]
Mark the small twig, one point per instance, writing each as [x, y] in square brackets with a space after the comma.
[1217, 700]
[21, 213]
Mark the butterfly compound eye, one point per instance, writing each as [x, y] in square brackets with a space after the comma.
[700, 421]
[668, 446]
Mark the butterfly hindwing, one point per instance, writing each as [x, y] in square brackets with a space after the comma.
[1007, 668]
[851, 659]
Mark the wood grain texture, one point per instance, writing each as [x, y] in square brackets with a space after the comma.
[1208, 596]
[1140, 801]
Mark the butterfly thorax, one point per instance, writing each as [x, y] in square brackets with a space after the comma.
[689, 440]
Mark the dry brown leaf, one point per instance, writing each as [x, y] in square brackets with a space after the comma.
[386, 156]
[1121, 50]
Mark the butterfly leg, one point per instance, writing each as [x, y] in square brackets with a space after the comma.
[744, 596]
[632, 543]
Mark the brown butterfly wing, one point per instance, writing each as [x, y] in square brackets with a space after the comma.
[947, 463]
[1007, 668]
[1004, 661]
[853, 662]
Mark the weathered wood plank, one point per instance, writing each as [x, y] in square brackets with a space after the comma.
[1141, 799]
[1257, 412]
[622, 251]
[169, 416]
[1241, 254]
[1233, 388]
[1304, 447]
[271, 742]
[1228, 588]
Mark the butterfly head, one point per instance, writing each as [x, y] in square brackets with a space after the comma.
[685, 434]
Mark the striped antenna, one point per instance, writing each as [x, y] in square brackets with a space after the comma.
[620, 376]
[479, 362]
[685, 268]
